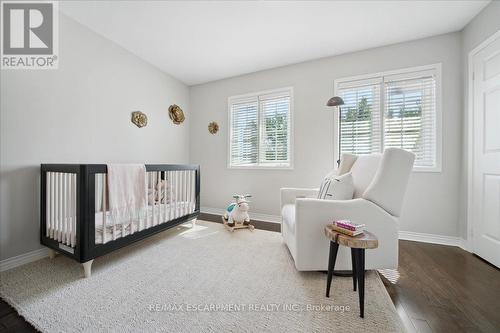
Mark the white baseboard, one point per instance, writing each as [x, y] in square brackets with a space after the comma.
[433, 239]
[23, 259]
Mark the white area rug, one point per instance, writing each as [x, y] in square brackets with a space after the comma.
[194, 280]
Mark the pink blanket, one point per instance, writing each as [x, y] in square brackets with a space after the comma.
[127, 191]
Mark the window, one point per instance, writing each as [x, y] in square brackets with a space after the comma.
[260, 130]
[395, 109]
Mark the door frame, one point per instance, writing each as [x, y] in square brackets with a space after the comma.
[470, 135]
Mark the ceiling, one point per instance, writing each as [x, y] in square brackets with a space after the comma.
[202, 41]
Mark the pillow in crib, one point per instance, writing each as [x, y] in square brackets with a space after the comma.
[337, 187]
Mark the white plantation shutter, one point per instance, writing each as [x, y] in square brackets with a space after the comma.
[397, 110]
[244, 132]
[275, 129]
[360, 117]
[260, 133]
[410, 116]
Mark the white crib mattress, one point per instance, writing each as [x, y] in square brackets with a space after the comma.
[156, 214]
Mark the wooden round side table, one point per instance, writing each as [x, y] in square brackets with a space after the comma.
[358, 244]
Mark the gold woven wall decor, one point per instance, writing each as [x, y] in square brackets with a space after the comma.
[213, 127]
[176, 114]
[139, 119]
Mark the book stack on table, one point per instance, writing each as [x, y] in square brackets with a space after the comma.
[348, 227]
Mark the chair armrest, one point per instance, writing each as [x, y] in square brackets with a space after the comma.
[358, 210]
[288, 195]
[313, 214]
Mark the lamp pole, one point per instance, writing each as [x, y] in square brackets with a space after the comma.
[337, 101]
[340, 134]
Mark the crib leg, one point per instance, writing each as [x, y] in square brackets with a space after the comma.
[193, 223]
[87, 267]
[52, 254]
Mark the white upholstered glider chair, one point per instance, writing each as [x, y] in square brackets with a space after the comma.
[380, 182]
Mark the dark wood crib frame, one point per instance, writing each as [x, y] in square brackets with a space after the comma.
[85, 248]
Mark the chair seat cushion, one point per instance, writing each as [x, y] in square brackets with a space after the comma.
[288, 215]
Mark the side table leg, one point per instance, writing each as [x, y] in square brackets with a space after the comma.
[353, 262]
[334, 247]
[360, 270]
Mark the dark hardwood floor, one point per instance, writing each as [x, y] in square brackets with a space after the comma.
[436, 289]
[444, 289]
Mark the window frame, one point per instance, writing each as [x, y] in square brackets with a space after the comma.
[437, 69]
[256, 95]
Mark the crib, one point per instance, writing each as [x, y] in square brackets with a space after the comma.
[75, 220]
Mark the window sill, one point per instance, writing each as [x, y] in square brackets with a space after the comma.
[427, 169]
[257, 167]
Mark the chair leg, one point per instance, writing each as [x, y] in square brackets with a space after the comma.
[87, 268]
[334, 247]
[52, 254]
[353, 264]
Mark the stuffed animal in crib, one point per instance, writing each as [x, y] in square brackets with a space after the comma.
[236, 215]
[160, 193]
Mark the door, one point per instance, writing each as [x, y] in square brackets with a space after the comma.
[486, 152]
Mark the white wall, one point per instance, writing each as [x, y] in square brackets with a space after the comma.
[485, 24]
[80, 113]
[432, 202]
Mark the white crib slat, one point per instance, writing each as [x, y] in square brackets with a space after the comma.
[113, 220]
[61, 212]
[193, 198]
[185, 192]
[51, 230]
[177, 193]
[191, 183]
[61, 230]
[170, 197]
[47, 204]
[55, 215]
[65, 207]
[158, 221]
[131, 221]
[104, 206]
[164, 196]
[74, 218]
[174, 198]
[56, 231]
[148, 175]
[160, 193]
[188, 188]
[155, 207]
[53, 194]
[160, 202]
[68, 209]
[71, 209]
[188, 192]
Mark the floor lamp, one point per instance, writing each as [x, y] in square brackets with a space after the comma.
[337, 101]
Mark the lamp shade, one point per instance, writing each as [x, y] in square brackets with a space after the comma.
[335, 101]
